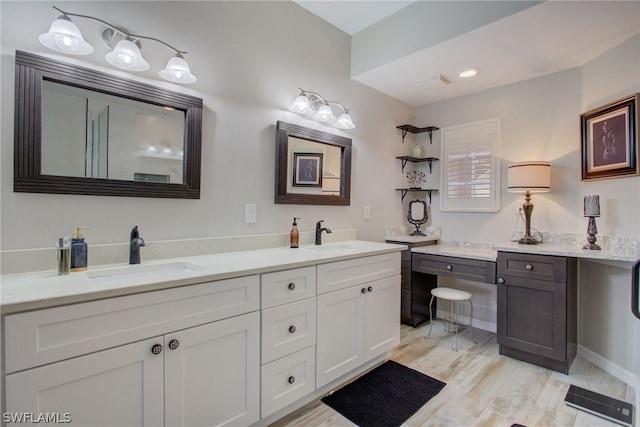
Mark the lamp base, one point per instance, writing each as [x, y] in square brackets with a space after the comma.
[528, 240]
[592, 247]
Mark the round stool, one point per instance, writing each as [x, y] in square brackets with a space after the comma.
[453, 296]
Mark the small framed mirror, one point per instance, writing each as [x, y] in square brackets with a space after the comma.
[312, 167]
[417, 215]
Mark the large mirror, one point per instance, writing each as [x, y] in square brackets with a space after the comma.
[312, 167]
[80, 131]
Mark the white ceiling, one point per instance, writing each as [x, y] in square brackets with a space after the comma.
[543, 39]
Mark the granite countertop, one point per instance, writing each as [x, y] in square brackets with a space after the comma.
[478, 251]
[27, 291]
[412, 239]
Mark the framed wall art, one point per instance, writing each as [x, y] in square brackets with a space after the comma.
[609, 140]
[307, 170]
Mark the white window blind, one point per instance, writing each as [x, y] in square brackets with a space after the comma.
[471, 167]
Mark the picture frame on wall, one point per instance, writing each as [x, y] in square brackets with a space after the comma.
[609, 140]
[307, 169]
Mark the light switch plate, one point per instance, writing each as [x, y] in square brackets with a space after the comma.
[250, 213]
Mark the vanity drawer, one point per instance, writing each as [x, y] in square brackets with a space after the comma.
[343, 274]
[44, 336]
[288, 379]
[283, 287]
[288, 328]
[462, 268]
[540, 267]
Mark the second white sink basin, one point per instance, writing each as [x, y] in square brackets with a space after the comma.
[337, 248]
[140, 272]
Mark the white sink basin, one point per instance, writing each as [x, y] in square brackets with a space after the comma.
[141, 272]
[331, 248]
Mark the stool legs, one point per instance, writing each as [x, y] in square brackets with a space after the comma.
[430, 315]
[451, 318]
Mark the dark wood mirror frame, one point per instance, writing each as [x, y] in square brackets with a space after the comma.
[32, 70]
[286, 130]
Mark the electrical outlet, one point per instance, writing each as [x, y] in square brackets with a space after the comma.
[250, 213]
[367, 212]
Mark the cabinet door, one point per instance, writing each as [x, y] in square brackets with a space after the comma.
[122, 386]
[340, 339]
[213, 376]
[532, 316]
[382, 316]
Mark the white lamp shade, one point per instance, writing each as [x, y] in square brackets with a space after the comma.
[301, 105]
[177, 70]
[345, 122]
[64, 36]
[534, 177]
[324, 114]
[127, 56]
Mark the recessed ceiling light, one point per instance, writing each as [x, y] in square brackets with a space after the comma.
[469, 72]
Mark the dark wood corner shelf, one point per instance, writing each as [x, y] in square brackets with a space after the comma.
[406, 190]
[413, 129]
[406, 159]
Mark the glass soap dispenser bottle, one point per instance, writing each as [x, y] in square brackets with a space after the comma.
[78, 250]
[294, 234]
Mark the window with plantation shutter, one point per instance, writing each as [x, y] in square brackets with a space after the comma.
[471, 167]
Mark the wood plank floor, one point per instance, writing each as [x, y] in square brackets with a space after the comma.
[483, 388]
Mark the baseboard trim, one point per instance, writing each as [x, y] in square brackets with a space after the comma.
[609, 367]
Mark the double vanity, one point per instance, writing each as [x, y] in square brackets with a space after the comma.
[235, 338]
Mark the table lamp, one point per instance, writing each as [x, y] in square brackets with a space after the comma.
[527, 178]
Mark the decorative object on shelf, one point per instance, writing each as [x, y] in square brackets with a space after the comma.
[417, 151]
[592, 210]
[416, 178]
[417, 215]
[64, 36]
[527, 178]
[609, 146]
[311, 104]
[409, 128]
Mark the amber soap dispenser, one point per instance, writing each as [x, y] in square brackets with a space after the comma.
[293, 234]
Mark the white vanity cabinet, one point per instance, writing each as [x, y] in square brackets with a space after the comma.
[288, 337]
[176, 357]
[358, 313]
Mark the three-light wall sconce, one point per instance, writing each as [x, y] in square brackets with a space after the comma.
[312, 105]
[65, 36]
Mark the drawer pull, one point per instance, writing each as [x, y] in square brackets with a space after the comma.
[500, 280]
[173, 344]
[292, 286]
[292, 329]
[370, 288]
[529, 267]
[291, 379]
[156, 349]
[364, 290]
[449, 267]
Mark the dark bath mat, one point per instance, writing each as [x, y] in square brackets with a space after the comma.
[384, 397]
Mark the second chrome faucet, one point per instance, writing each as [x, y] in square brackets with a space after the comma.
[319, 230]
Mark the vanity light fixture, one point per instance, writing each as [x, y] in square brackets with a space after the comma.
[527, 178]
[64, 36]
[311, 104]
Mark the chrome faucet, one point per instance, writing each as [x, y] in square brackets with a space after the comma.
[134, 246]
[319, 230]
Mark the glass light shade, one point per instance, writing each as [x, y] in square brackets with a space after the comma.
[324, 114]
[301, 105]
[64, 36]
[534, 177]
[127, 56]
[345, 122]
[177, 70]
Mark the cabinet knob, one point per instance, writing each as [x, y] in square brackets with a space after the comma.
[292, 286]
[529, 267]
[500, 280]
[291, 379]
[370, 288]
[449, 267]
[364, 290]
[173, 344]
[292, 329]
[156, 349]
